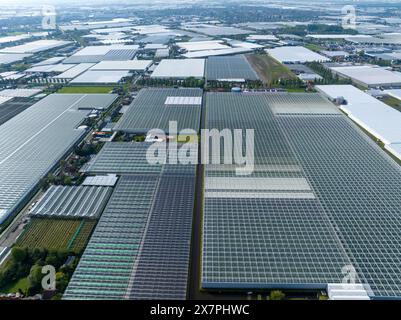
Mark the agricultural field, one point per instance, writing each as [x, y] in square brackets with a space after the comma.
[87, 89]
[57, 234]
[269, 69]
[314, 47]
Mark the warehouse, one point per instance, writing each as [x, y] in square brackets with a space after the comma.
[180, 69]
[101, 77]
[129, 65]
[72, 202]
[234, 68]
[295, 55]
[369, 76]
[154, 108]
[35, 140]
[141, 245]
[287, 224]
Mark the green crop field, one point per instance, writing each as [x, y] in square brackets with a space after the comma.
[60, 234]
[91, 89]
[314, 47]
[269, 69]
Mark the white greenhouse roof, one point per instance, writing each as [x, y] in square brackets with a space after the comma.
[4, 99]
[95, 76]
[180, 68]
[244, 44]
[295, 55]
[21, 93]
[108, 180]
[211, 53]
[202, 45]
[376, 117]
[370, 75]
[49, 61]
[101, 50]
[7, 58]
[155, 46]
[35, 46]
[264, 37]
[74, 71]
[50, 68]
[134, 65]
[395, 93]
[183, 101]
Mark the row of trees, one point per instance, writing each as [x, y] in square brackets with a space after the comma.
[328, 76]
[302, 30]
[189, 82]
[287, 83]
[228, 85]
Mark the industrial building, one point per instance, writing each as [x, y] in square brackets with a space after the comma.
[313, 205]
[35, 140]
